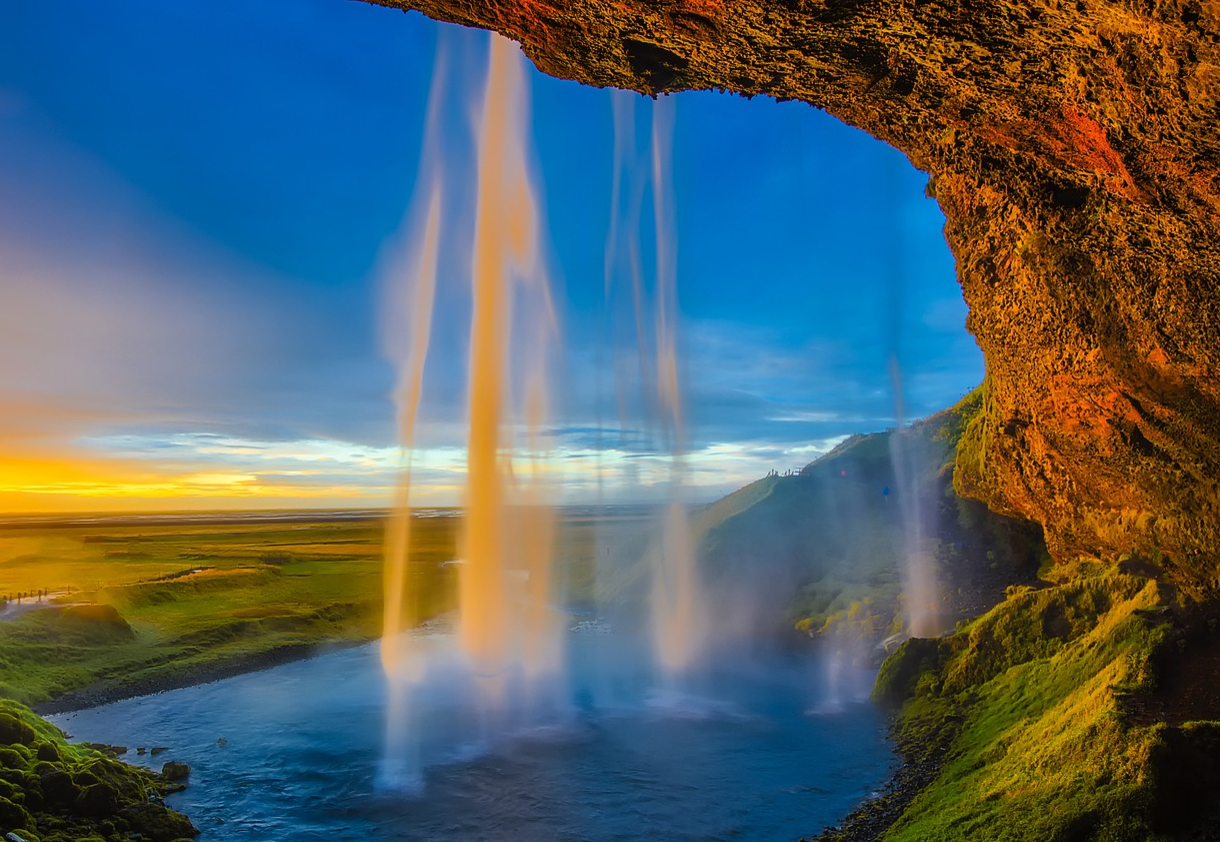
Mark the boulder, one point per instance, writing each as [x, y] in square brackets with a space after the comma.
[15, 732]
[158, 823]
[107, 749]
[59, 791]
[97, 801]
[13, 815]
[175, 771]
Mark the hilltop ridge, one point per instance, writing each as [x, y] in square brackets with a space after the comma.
[835, 537]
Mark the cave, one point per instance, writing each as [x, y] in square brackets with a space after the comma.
[1073, 148]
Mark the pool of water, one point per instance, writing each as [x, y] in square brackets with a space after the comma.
[762, 747]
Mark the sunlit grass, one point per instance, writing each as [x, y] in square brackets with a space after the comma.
[1025, 703]
[198, 595]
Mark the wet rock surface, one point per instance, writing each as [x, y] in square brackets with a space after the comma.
[158, 823]
[175, 771]
[1073, 147]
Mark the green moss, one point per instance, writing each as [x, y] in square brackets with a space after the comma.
[1023, 706]
[1035, 624]
[14, 731]
[53, 791]
[916, 657]
[866, 619]
[14, 817]
[971, 464]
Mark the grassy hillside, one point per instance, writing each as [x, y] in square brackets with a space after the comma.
[1078, 711]
[829, 543]
[1084, 707]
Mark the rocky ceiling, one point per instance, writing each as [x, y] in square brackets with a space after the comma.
[1074, 148]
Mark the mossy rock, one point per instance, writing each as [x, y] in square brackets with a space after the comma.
[96, 801]
[158, 822]
[13, 816]
[59, 791]
[52, 791]
[48, 752]
[15, 732]
[10, 759]
[900, 672]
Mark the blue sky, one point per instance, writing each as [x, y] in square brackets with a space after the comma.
[196, 204]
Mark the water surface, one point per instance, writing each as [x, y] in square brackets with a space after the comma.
[766, 747]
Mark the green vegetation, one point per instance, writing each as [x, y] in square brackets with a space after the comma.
[52, 791]
[836, 535]
[141, 607]
[1045, 718]
[1032, 710]
[138, 608]
[1034, 722]
[133, 609]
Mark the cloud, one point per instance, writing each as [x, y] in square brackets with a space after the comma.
[191, 316]
[116, 316]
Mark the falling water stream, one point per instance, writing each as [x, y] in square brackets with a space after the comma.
[515, 720]
[510, 635]
[677, 629]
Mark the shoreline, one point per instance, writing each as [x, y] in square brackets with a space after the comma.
[873, 818]
[108, 692]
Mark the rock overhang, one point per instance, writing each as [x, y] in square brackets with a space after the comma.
[1074, 148]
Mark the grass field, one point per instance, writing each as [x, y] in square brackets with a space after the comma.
[184, 595]
[188, 596]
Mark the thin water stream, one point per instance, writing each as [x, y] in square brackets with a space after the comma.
[509, 634]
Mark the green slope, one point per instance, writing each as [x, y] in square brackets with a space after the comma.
[827, 546]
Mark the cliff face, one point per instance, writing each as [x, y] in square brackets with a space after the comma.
[1075, 150]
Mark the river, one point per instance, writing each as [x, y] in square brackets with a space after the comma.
[763, 747]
